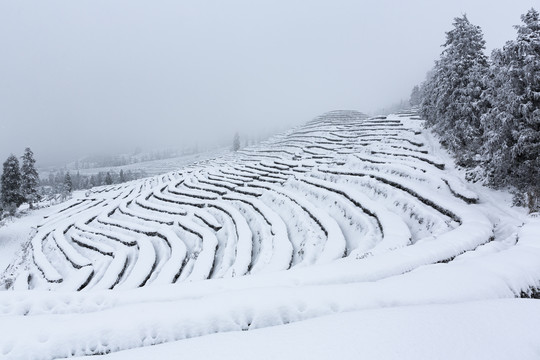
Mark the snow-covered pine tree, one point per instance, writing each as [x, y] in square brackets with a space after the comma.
[108, 179]
[512, 124]
[92, 182]
[428, 90]
[99, 179]
[122, 176]
[68, 184]
[11, 183]
[452, 102]
[59, 178]
[29, 178]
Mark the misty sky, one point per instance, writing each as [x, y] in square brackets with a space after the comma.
[85, 76]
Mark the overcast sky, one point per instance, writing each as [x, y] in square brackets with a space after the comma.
[85, 76]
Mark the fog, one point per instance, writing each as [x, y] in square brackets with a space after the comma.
[79, 77]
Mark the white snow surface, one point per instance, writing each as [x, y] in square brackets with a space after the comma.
[442, 331]
[346, 237]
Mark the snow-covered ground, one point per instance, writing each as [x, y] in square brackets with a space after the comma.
[357, 232]
[15, 232]
[442, 331]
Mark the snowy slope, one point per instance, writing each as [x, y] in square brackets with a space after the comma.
[462, 331]
[363, 213]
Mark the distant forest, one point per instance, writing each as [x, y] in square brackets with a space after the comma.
[55, 183]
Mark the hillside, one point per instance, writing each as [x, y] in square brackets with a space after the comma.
[344, 215]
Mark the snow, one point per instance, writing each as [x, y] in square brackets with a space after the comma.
[142, 269]
[113, 272]
[15, 233]
[529, 234]
[124, 320]
[335, 244]
[68, 250]
[306, 246]
[204, 254]
[447, 331]
[395, 231]
[280, 253]
[46, 268]
[243, 239]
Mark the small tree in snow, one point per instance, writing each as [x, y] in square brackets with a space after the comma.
[99, 179]
[77, 181]
[108, 179]
[29, 178]
[11, 184]
[92, 182]
[68, 184]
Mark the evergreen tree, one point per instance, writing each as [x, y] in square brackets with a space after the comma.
[59, 179]
[29, 178]
[99, 179]
[68, 184]
[452, 102]
[92, 182]
[11, 183]
[429, 95]
[236, 142]
[77, 181]
[108, 179]
[84, 183]
[512, 124]
[122, 177]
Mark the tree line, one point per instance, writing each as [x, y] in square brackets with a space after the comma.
[61, 181]
[21, 184]
[486, 110]
[18, 184]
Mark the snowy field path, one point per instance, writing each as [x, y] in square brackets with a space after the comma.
[346, 219]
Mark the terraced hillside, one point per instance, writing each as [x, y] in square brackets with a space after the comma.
[348, 205]
[341, 186]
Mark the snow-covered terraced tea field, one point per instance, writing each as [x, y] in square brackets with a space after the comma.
[343, 214]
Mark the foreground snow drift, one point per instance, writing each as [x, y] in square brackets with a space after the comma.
[449, 331]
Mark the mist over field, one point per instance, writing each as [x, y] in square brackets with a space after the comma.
[87, 77]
